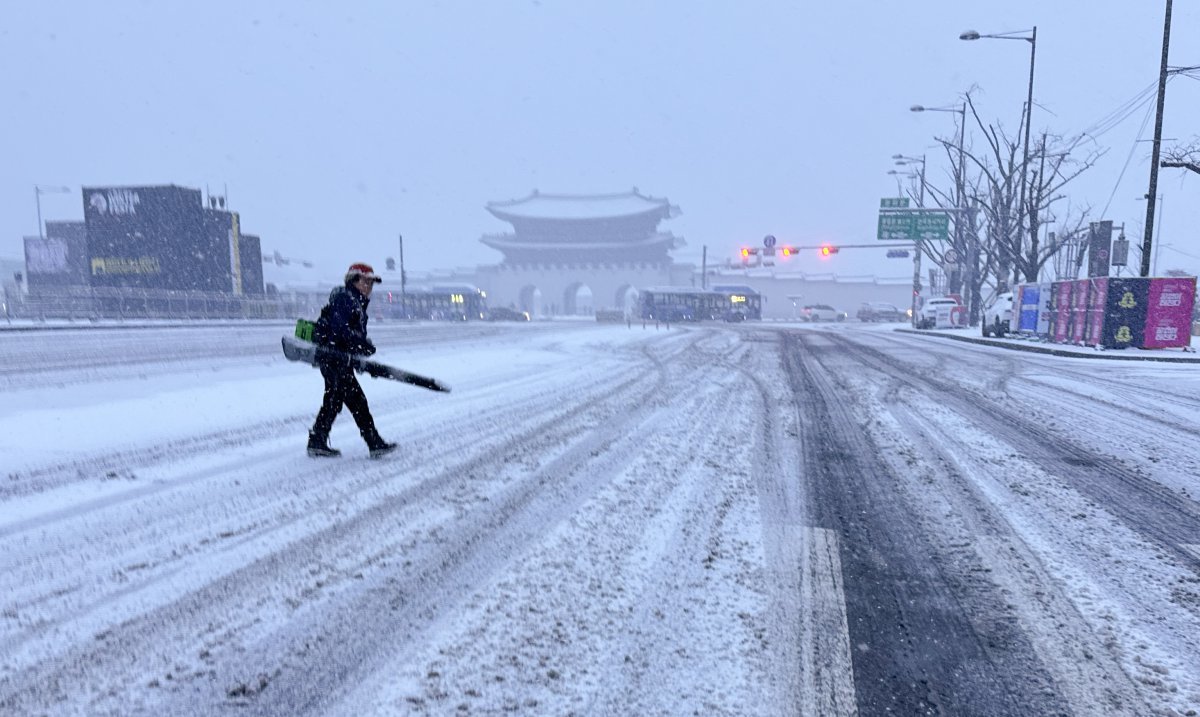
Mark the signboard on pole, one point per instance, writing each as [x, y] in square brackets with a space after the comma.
[894, 226]
[1099, 248]
[913, 225]
[932, 226]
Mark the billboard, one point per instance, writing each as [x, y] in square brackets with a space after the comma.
[1099, 248]
[1125, 312]
[58, 259]
[250, 249]
[1097, 305]
[152, 238]
[221, 230]
[1169, 312]
[1079, 305]
[1060, 302]
[1031, 310]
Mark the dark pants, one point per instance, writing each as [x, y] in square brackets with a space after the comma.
[342, 389]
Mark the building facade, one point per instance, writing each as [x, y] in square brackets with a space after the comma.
[574, 254]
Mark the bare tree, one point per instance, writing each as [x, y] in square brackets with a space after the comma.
[1013, 246]
[1054, 171]
[1187, 157]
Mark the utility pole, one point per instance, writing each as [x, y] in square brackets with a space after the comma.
[704, 267]
[403, 278]
[1152, 193]
[1156, 244]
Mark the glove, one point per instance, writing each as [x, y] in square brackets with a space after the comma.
[368, 349]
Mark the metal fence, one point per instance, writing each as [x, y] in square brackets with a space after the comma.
[75, 303]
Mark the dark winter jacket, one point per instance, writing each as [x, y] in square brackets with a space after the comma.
[343, 322]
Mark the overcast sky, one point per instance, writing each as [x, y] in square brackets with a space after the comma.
[334, 130]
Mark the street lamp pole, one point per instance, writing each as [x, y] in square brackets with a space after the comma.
[917, 245]
[959, 185]
[38, 191]
[1032, 40]
[1028, 116]
[1152, 192]
[903, 161]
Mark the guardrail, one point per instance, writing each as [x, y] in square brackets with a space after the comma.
[125, 303]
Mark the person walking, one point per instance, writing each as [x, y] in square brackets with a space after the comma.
[343, 326]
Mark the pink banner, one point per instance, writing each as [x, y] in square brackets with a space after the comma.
[1169, 315]
[1079, 307]
[1096, 301]
[1062, 311]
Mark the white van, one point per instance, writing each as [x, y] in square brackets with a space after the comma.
[997, 315]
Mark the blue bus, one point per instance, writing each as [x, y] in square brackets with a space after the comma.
[441, 302]
[720, 303]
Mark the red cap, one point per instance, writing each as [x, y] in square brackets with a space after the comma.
[363, 270]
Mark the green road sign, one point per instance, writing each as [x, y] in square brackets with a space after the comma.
[895, 226]
[932, 226]
[913, 225]
[893, 203]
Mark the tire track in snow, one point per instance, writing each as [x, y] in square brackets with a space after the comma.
[914, 647]
[1093, 607]
[1144, 505]
[242, 502]
[233, 600]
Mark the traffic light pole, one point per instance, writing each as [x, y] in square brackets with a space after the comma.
[916, 288]
[403, 295]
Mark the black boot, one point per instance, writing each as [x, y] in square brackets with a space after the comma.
[377, 446]
[318, 447]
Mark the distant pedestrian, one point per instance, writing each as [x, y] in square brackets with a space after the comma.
[343, 326]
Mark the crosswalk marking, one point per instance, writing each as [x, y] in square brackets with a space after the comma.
[828, 667]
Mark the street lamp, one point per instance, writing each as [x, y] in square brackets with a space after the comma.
[904, 161]
[912, 175]
[959, 183]
[962, 131]
[1029, 36]
[38, 191]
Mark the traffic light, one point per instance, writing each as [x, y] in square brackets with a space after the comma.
[787, 251]
[827, 249]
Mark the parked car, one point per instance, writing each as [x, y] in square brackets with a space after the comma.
[501, 313]
[821, 312]
[879, 311]
[997, 315]
[927, 316]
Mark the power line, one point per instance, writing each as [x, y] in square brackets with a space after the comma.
[1110, 121]
[1128, 159]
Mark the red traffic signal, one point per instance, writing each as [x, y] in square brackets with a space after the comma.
[787, 251]
[827, 249]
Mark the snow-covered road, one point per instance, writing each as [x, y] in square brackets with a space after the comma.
[742, 520]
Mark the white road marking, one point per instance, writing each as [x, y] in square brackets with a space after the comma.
[826, 662]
